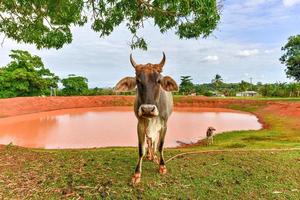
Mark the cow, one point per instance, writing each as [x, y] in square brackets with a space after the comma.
[152, 107]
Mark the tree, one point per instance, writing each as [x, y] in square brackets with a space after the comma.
[291, 57]
[47, 23]
[294, 89]
[25, 75]
[186, 86]
[75, 85]
[217, 81]
[244, 86]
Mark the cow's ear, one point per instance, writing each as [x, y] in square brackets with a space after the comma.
[126, 84]
[169, 84]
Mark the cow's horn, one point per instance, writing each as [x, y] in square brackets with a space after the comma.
[162, 62]
[132, 61]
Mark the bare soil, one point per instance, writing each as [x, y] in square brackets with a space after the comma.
[26, 105]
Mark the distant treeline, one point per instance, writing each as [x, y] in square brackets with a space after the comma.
[226, 89]
[219, 88]
[26, 75]
[231, 89]
[208, 89]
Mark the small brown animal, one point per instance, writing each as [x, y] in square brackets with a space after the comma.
[210, 135]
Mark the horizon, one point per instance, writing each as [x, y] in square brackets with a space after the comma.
[245, 45]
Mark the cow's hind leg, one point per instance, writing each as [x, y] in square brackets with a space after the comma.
[151, 152]
[155, 158]
[138, 170]
[150, 155]
[162, 166]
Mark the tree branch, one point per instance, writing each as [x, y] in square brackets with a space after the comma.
[3, 40]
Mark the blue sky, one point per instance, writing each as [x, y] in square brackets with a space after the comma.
[246, 44]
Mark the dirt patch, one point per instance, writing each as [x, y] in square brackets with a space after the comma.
[284, 108]
[27, 105]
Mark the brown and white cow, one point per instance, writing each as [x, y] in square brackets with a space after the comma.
[153, 106]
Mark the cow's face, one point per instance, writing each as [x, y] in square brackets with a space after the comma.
[149, 82]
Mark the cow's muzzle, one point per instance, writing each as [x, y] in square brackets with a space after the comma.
[148, 110]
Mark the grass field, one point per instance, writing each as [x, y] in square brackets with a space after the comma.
[105, 173]
[262, 164]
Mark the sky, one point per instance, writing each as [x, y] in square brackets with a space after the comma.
[246, 44]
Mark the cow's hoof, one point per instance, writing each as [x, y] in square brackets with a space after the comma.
[162, 169]
[136, 178]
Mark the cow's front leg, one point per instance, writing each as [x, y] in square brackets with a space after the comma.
[138, 170]
[162, 166]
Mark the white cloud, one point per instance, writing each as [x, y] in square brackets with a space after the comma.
[256, 14]
[247, 53]
[268, 51]
[210, 58]
[289, 3]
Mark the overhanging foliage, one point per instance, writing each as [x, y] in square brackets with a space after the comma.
[47, 23]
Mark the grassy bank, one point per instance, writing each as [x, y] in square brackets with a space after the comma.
[236, 173]
[278, 131]
[105, 173]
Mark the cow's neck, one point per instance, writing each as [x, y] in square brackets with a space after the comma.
[152, 127]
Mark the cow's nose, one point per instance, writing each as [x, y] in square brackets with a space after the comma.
[148, 110]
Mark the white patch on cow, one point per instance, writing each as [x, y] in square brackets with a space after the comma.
[153, 128]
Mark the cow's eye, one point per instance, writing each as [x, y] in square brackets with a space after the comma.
[158, 81]
[138, 80]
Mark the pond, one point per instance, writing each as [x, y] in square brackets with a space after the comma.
[114, 126]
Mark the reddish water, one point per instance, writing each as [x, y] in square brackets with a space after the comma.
[102, 127]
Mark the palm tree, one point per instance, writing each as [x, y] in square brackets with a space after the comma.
[217, 81]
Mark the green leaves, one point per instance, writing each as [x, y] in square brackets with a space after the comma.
[217, 81]
[291, 57]
[47, 23]
[43, 23]
[25, 75]
[186, 85]
[75, 85]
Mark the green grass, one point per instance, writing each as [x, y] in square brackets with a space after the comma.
[281, 132]
[243, 171]
[105, 173]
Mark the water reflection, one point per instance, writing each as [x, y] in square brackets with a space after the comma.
[101, 127]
